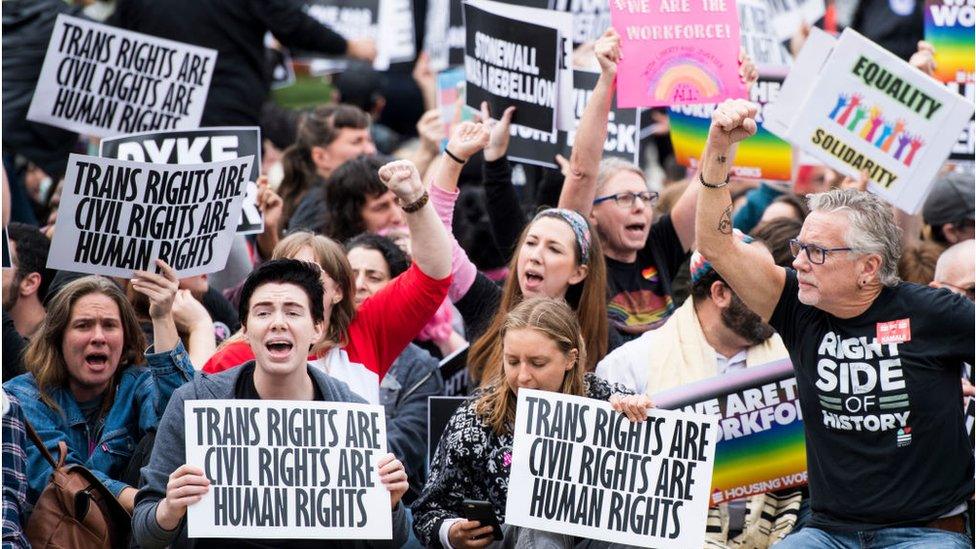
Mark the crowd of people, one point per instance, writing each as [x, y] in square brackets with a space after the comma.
[390, 249]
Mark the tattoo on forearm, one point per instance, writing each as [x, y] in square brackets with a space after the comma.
[721, 159]
[725, 222]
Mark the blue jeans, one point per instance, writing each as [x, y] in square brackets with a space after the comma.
[893, 538]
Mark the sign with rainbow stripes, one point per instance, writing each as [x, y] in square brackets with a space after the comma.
[763, 156]
[949, 28]
[677, 52]
[761, 445]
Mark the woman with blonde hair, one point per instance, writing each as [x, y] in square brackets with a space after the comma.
[542, 348]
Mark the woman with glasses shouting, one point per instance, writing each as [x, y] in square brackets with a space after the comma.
[877, 360]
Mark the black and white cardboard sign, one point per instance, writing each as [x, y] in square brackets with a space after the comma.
[540, 148]
[197, 147]
[5, 260]
[288, 469]
[388, 22]
[788, 15]
[100, 80]
[759, 37]
[519, 56]
[591, 18]
[117, 217]
[583, 469]
[439, 412]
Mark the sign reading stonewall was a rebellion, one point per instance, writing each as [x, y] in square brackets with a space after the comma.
[855, 106]
[100, 80]
[510, 61]
[581, 468]
[117, 217]
[288, 469]
[197, 147]
[536, 147]
[761, 445]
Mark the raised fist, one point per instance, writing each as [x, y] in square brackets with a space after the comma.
[732, 121]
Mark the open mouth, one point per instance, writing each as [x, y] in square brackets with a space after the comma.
[97, 360]
[635, 229]
[279, 348]
[533, 279]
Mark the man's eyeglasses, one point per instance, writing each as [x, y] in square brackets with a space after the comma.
[627, 200]
[816, 254]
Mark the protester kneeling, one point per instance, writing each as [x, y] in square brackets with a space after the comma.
[282, 315]
[92, 383]
[542, 349]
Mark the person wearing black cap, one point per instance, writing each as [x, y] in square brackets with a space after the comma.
[949, 209]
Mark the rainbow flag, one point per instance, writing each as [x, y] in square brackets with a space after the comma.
[749, 461]
[949, 28]
[763, 156]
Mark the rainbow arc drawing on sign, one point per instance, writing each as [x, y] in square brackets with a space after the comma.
[869, 123]
[681, 80]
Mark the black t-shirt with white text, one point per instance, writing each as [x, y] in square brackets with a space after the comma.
[886, 441]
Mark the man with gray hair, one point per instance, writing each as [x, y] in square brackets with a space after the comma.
[877, 361]
[956, 269]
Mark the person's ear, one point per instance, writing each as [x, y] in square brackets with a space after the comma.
[720, 294]
[30, 284]
[869, 266]
[573, 357]
[319, 331]
[580, 274]
[321, 156]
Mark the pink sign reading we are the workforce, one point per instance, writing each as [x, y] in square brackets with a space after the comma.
[677, 52]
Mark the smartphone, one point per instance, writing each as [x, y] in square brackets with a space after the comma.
[482, 512]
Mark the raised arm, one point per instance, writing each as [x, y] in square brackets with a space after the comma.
[431, 245]
[579, 188]
[501, 200]
[161, 291]
[752, 275]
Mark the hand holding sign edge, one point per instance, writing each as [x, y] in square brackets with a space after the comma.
[187, 485]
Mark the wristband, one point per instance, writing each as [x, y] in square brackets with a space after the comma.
[714, 186]
[415, 205]
[453, 157]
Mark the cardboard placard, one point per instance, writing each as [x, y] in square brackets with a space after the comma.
[117, 217]
[677, 52]
[288, 469]
[788, 15]
[949, 28]
[388, 22]
[759, 40]
[590, 18]
[855, 106]
[583, 469]
[761, 443]
[439, 412]
[197, 147]
[101, 80]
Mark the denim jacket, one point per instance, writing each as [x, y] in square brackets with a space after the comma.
[140, 400]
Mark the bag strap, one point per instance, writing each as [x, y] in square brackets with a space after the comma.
[40, 445]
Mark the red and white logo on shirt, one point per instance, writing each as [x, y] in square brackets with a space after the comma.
[896, 331]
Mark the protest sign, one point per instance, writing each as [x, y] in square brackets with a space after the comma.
[763, 156]
[519, 56]
[758, 38]
[590, 18]
[101, 80]
[288, 469]
[583, 469]
[788, 15]
[388, 22]
[117, 217]
[856, 106]
[197, 147]
[677, 52]
[5, 261]
[761, 445]
[438, 30]
[454, 371]
[450, 101]
[949, 28]
[540, 148]
[439, 412]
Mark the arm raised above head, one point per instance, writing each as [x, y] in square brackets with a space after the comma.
[750, 273]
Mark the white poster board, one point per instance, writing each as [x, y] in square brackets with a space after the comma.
[102, 81]
[117, 217]
[856, 106]
[288, 469]
[583, 469]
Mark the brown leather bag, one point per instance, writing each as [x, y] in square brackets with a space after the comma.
[75, 510]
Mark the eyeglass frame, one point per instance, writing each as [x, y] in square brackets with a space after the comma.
[653, 197]
[804, 247]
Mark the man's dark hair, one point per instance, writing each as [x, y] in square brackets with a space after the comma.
[776, 235]
[32, 250]
[360, 85]
[346, 192]
[396, 261]
[285, 271]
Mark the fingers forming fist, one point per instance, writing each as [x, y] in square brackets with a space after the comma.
[748, 72]
[402, 177]
[608, 51]
[732, 121]
[924, 58]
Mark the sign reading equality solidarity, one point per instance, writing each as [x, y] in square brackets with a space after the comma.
[949, 28]
[536, 147]
[761, 446]
[100, 80]
[117, 217]
[856, 106]
[583, 469]
[677, 52]
[197, 147]
[288, 469]
[762, 156]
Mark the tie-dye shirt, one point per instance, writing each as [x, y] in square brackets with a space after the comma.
[640, 292]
